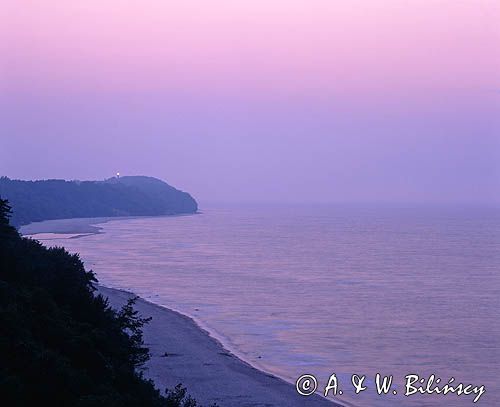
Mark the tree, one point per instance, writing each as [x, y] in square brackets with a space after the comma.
[5, 211]
[60, 343]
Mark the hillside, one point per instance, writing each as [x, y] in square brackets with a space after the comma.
[62, 345]
[126, 196]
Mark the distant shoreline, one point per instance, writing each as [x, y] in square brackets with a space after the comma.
[78, 226]
[65, 226]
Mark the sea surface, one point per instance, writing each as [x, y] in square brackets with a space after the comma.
[324, 289]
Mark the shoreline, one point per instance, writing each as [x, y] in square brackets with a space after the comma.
[184, 352]
[70, 226]
[192, 355]
[77, 227]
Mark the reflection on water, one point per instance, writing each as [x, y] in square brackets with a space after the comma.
[324, 289]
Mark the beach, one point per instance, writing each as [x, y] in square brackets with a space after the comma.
[73, 227]
[181, 352]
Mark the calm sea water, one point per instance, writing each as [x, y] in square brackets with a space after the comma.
[323, 289]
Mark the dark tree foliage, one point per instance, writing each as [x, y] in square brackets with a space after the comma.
[35, 201]
[60, 344]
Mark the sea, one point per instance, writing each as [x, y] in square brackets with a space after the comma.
[327, 290]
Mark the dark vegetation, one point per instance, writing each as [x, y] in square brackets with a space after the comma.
[35, 201]
[60, 344]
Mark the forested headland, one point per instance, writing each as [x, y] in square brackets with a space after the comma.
[35, 201]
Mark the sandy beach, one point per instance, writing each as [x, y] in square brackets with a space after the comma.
[73, 227]
[181, 352]
[77, 226]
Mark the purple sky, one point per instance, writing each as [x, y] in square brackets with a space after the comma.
[274, 100]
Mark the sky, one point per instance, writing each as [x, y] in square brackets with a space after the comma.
[257, 101]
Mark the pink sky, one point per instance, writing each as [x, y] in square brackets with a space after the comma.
[286, 46]
[428, 63]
